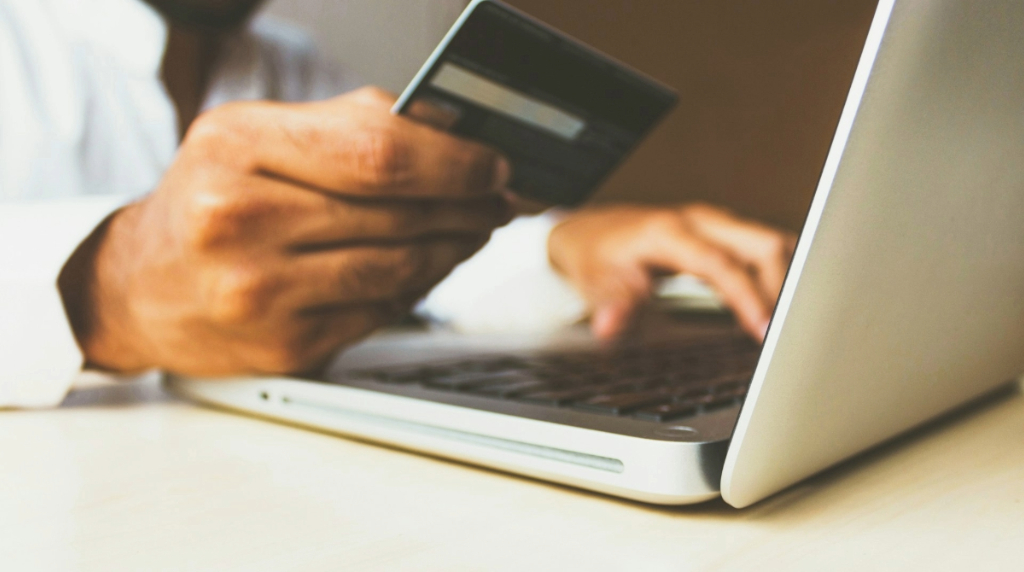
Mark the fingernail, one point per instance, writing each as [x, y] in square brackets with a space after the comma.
[764, 330]
[607, 321]
[601, 323]
[502, 173]
[601, 318]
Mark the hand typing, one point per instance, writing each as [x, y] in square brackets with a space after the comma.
[613, 254]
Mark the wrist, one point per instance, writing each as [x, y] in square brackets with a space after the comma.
[95, 303]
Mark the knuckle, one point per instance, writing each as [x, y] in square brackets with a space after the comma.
[224, 135]
[716, 263]
[215, 219]
[208, 129]
[205, 227]
[663, 223]
[382, 158]
[700, 211]
[700, 208]
[241, 296]
[373, 95]
[776, 247]
[221, 132]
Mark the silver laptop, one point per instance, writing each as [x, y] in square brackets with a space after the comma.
[905, 299]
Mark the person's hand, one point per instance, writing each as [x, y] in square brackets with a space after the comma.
[281, 233]
[613, 255]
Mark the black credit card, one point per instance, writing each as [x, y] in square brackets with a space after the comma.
[564, 114]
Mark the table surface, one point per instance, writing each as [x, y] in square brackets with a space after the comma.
[125, 477]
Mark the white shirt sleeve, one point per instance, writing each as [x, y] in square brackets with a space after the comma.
[507, 287]
[39, 356]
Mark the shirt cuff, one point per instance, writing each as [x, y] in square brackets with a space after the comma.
[37, 347]
[509, 286]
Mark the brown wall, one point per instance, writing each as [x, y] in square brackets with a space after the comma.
[761, 84]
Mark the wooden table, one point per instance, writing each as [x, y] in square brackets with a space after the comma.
[127, 478]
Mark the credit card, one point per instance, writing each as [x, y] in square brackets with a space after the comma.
[563, 113]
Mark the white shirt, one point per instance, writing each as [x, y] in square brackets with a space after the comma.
[86, 126]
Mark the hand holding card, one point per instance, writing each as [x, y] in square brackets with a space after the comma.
[563, 113]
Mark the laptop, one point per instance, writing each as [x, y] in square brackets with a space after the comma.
[904, 300]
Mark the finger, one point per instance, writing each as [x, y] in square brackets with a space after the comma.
[615, 297]
[373, 273]
[611, 319]
[373, 97]
[435, 113]
[338, 328]
[318, 338]
[304, 219]
[684, 252]
[765, 249]
[347, 147]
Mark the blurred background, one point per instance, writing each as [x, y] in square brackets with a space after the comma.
[761, 83]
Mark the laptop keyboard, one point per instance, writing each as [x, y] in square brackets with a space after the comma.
[649, 383]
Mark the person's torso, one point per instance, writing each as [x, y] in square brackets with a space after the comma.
[83, 110]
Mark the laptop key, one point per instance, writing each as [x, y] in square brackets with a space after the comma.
[620, 403]
[720, 402]
[499, 365]
[557, 398]
[699, 400]
[708, 403]
[401, 376]
[469, 381]
[735, 392]
[690, 393]
[667, 412]
[511, 389]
